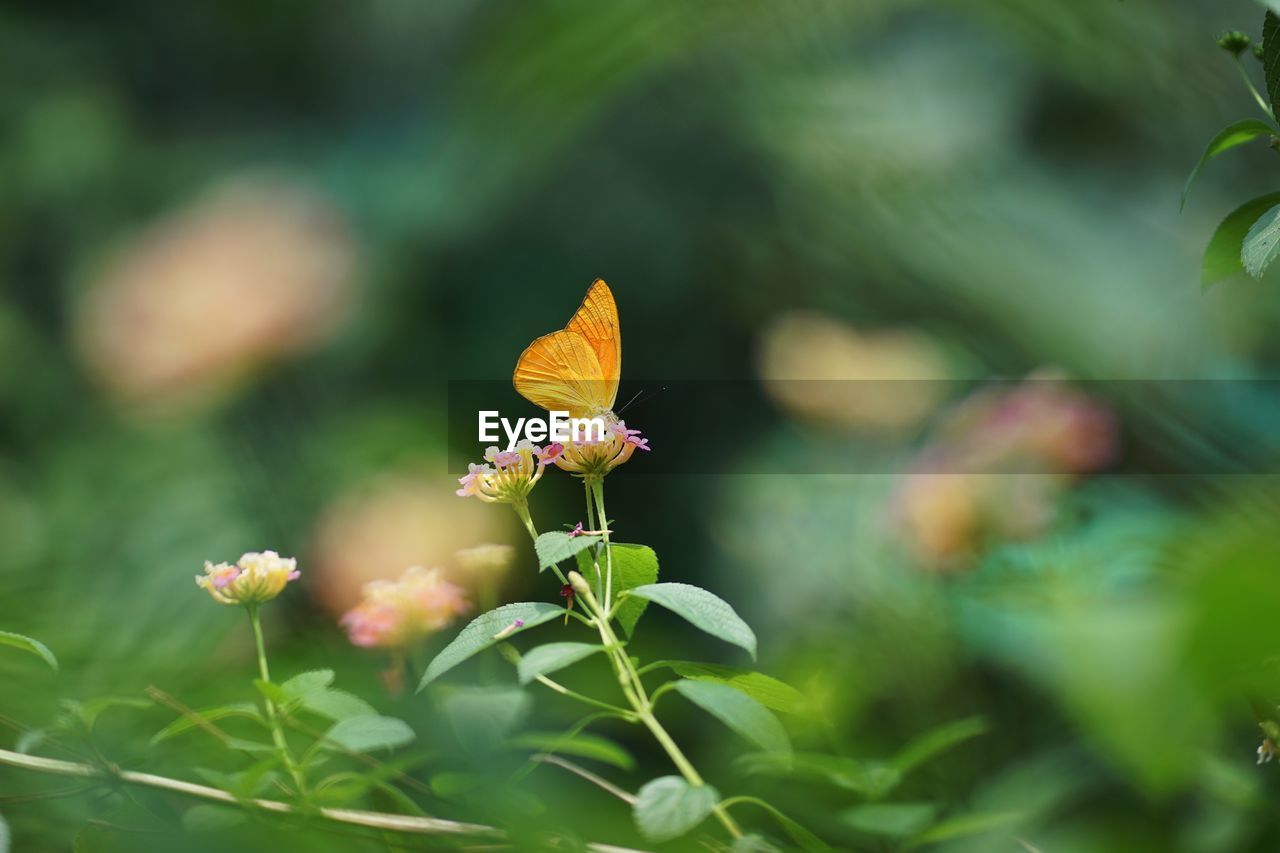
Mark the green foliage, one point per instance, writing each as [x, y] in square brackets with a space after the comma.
[486, 630]
[556, 546]
[1262, 244]
[27, 644]
[482, 717]
[1222, 255]
[368, 733]
[633, 566]
[204, 716]
[701, 609]
[542, 660]
[934, 743]
[580, 745]
[669, 806]
[1271, 58]
[1235, 134]
[768, 691]
[738, 711]
[897, 820]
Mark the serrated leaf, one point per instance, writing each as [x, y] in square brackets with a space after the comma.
[209, 818]
[1233, 135]
[581, 745]
[557, 546]
[487, 629]
[336, 704]
[300, 685]
[551, 657]
[633, 566]
[1271, 58]
[738, 711]
[668, 807]
[1262, 244]
[368, 733]
[1222, 255]
[765, 689]
[701, 609]
[206, 715]
[29, 645]
[896, 820]
[937, 741]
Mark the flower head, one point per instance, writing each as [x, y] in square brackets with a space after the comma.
[395, 614]
[508, 475]
[593, 459]
[253, 579]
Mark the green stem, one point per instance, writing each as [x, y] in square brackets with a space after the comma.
[603, 520]
[633, 689]
[1253, 90]
[522, 510]
[273, 715]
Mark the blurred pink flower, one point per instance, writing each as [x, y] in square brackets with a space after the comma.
[396, 614]
[254, 270]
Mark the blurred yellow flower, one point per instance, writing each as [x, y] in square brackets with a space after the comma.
[253, 579]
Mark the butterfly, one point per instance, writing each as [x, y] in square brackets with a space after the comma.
[576, 369]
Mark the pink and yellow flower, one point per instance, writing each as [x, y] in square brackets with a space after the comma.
[396, 614]
[507, 476]
[253, 579]
[592, 460]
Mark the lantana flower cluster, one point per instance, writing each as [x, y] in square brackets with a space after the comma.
[508, 476]
[255, 578]
[595, 459]
[396, 614]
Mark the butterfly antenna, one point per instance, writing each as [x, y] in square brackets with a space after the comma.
[641, 396]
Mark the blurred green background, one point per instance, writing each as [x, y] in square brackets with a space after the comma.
[244, 246]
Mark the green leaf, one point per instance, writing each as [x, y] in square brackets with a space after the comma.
[337, 704]
[26, 644]
[557, 546]
[967, 825]
[753, 844]
[89, 711]
[767, 690]
[1222, 255]
[738, 711]
[208, 818]
[300, 685]
[273, 692]
[581, 745]
[633, 566]
[668, 807]
[803, 838]
[551, 657]
[206, 715]
[1271, 58]
[1262, 244]
[1234, 134]
[701, 609]
[482, 717]
[937, 741]
[871, 779]
[487, 629]
[896, 820]
[365, 734]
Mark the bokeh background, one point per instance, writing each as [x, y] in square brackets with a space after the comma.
[245, 247]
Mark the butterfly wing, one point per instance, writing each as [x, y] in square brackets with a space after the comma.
[560, 372]
[596, 320]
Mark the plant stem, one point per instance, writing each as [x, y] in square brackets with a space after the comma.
[1253, 90]
[354, 817]
[522, 510]
[602, 519]
[273, 714]
[629, 679]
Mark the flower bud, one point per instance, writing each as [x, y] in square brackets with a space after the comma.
[1234, 42]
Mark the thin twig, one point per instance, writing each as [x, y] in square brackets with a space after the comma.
[598, 781]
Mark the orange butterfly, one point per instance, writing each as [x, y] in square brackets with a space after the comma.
[576, 369]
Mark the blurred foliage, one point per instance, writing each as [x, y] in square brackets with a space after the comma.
[997, 179]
